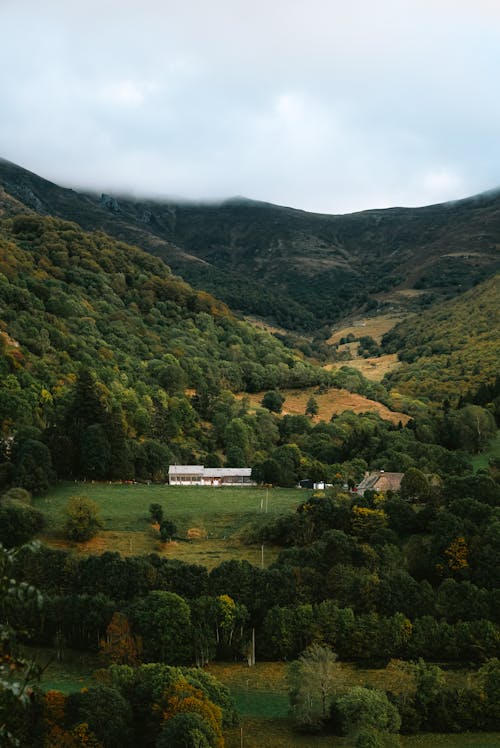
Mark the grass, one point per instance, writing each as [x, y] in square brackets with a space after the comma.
[261, 699]
[260, 695]
[374, 368]
[332, 402]
[73, 673]
[218, 515]
[375, 327]
[493, 452]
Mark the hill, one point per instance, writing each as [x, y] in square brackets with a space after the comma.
[451, 349]
[296, 269]
[106, 358]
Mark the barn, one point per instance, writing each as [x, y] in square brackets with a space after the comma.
[198, 475]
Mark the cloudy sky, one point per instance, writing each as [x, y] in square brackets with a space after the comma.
[325, 105]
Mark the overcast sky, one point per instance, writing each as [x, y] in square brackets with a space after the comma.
[326, 105]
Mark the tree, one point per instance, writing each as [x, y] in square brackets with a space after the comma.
[95, 452]
[17, 674]
[273, 401]
[82, 522]
[313, 679]
[186, 730]
[362, 709]
[156, 512]
[119, 647]
[471, 428]
[312, 407]
[104, 711]
[19, 522]
[167, 530]
[415, 486]
[164, 621]
[33, 466]
[184, 698]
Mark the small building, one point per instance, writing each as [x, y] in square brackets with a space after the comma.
[198, 475]
[380, 481]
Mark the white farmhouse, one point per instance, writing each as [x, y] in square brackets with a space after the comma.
[198, 475]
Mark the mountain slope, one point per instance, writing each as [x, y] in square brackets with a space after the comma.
[451, 349]
[301, 270]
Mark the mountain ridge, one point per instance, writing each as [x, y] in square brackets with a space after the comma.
[297, 269]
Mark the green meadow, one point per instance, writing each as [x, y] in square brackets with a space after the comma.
[210, 521]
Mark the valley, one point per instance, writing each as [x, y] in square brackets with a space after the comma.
[301, 346]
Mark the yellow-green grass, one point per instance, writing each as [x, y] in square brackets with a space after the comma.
[260, 694]
[493, 452]
[374, 368]
[375, 327]
[330, 403]
[251, 686]
[217, 517]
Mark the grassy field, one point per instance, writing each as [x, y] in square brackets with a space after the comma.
[332, 402]
[260, 695]
[217, 517]
[374, 368]
[375, 327]
[493, 451]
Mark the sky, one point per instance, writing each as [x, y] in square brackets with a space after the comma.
[325, 105]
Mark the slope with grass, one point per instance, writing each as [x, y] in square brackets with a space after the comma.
[451, 349]
[210, 521]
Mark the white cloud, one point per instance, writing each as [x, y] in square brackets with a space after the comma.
[325, 105]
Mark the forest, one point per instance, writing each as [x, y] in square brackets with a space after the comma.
[111, 369]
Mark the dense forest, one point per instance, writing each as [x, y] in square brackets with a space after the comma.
[450, 350]
[112, 368]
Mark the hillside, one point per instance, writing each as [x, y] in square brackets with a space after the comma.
[296, 269]
[451, 349]
[98, 334]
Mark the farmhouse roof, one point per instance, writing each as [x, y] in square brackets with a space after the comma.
[186, 470]
[210, 472]
[381, 481]
[227, 472]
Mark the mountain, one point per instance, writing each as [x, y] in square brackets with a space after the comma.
[296, 269]
[451, 349]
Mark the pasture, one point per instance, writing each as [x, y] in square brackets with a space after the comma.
[374, 368]
[214, 518]
[375, 327]
[332, 402]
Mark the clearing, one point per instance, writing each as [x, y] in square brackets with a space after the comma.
[216, 517]
[374, 368]
[375, 327]
[330, 403]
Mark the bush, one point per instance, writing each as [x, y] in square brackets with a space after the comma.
[19, 522]
[82, 522]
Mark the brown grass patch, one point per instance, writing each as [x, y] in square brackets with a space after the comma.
[374, 368]
[127, 543]
[331, 403]
[205, 551]
[375, 327]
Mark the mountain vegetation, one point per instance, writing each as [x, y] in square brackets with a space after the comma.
[112, 368]
[451, 351]
[300, 270]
